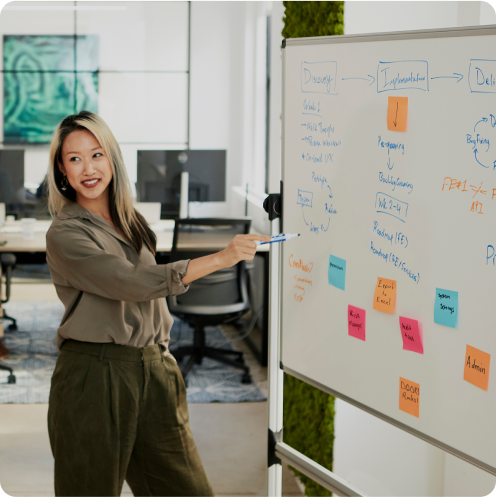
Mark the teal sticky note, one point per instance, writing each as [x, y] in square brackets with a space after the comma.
[446, 307]
[337, 272]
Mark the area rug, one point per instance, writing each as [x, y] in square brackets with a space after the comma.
[33, 354]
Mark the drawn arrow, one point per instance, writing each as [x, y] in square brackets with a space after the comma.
[493, 120]
[330, 196]
[484, 119]
[475, 153]
[364, 79]
[322, 226]
[395, 122]
[455, 76]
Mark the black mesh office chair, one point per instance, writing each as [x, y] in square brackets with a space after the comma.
[217, 298]
[8, 261]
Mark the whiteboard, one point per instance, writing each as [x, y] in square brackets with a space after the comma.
[375, 198]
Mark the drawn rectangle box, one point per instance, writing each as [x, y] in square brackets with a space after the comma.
[319, 77]
[482, 76]
[305, 198]
[403, 75]
[386, 204]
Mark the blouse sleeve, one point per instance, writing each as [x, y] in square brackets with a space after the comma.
[78, 259]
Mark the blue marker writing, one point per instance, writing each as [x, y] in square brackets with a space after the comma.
[281, 238]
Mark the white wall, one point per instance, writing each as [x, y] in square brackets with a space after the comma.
[374, 456]
[228, 94]
[277, 13]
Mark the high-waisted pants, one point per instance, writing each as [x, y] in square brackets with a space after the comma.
[119, 413]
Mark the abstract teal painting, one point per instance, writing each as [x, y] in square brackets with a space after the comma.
[46, 78]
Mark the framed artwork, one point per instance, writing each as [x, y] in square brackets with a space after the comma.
[46, 78]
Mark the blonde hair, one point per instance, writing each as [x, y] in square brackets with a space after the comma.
[124, 216]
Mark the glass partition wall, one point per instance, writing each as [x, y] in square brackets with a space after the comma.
[127, 61]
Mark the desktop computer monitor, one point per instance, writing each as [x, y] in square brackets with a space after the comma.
[12, 192]
[159, 177]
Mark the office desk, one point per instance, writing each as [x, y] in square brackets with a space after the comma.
[164, 229]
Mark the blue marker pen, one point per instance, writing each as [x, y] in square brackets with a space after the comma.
[281, 238]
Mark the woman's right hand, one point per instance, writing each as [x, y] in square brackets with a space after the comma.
[241, 248]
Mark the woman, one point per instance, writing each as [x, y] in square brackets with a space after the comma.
[117, 408]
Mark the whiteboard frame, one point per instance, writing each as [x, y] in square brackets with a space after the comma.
[372, 37]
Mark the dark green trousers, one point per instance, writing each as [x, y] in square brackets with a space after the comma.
[119, 413]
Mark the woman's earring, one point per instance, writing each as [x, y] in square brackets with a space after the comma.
[64, 185]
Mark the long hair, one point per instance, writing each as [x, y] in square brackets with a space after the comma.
[122, 212]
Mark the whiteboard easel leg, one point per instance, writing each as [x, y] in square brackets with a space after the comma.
[274, 481]
[276, 375]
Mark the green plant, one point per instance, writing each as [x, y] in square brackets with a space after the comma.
[304, 19]
[308, 421]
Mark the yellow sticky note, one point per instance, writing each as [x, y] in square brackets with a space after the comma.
[409, 397]
[385, 295]
[397, 112]
[476, 369]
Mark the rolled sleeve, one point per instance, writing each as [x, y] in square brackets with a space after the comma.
[80, 262]
[176, 271]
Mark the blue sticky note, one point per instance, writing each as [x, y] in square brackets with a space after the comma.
[337, 272]
[446, 307]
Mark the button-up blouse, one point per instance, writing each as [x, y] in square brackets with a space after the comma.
[110, 293]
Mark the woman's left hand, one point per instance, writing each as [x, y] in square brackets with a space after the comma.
[241, 248]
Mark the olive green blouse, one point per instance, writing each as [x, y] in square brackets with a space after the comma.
[110, 293]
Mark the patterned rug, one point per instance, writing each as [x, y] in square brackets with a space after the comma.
[33, 354]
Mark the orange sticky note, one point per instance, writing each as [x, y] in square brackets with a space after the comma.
[476, 369]
[409, 397]
[385, 295]
[397, 112]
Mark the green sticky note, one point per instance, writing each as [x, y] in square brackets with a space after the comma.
[446, 308]
[337, 272]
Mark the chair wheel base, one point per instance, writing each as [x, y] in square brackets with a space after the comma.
[11, 379]
[246, 379]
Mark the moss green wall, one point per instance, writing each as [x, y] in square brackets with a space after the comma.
[308, 417]
[304, 19]
[308, 421]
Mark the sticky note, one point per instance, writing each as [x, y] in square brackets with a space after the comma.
[397, 112]
[476, 369]
[356, 322]
[385, 295]
[410, 334]
[337, 272]
[409, 397]
[446, 307]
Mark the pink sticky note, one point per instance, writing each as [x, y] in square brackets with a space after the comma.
[356, 322]
[411, 335]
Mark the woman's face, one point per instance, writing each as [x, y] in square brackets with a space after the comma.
[84, 161]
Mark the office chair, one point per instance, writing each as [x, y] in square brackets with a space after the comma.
[8, 261]
[217, 298]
